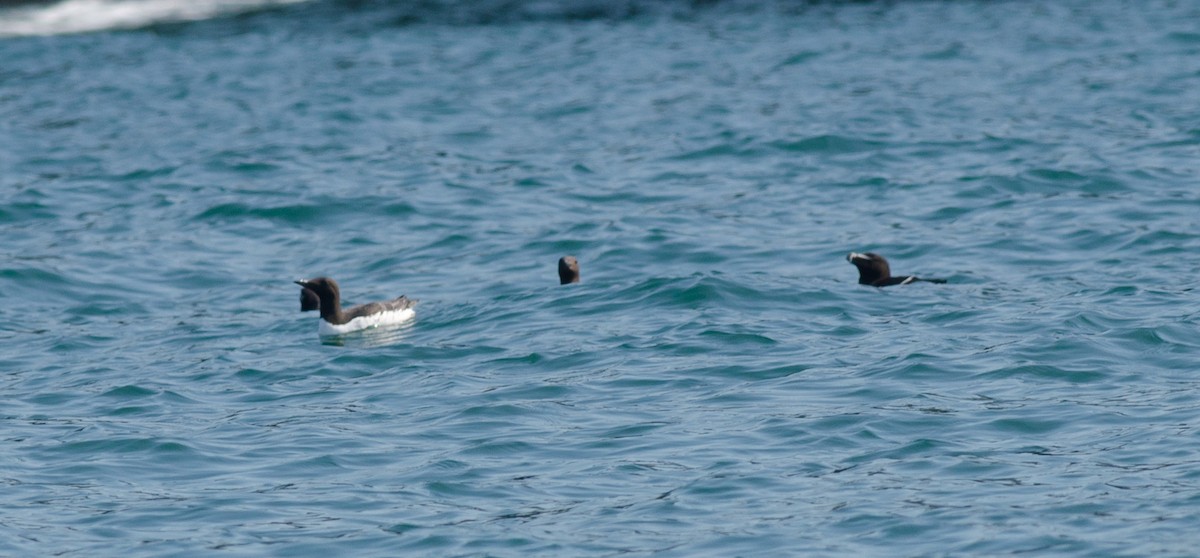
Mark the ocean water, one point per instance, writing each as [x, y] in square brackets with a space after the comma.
[718, 384]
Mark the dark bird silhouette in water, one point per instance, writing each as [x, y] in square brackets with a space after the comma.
[873, 270]
[309, 300]
[568, 270]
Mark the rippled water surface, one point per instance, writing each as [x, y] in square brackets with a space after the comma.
[718, 384]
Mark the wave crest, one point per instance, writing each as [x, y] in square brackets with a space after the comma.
[81, 16]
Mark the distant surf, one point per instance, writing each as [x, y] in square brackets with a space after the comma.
[19, 19]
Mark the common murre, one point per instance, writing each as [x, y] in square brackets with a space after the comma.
[873, 270]
[336, 321]
[568, 270]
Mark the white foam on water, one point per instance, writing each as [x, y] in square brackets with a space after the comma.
[81, 16]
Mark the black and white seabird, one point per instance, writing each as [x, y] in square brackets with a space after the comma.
[336, 321]
[568, 270]
[873, 270]
[309, 300]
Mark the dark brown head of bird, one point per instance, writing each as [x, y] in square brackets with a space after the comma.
[568, 270]
[873, 269]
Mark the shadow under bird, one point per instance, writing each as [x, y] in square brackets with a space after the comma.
[338, 321]
[568, 270]
[874, 270]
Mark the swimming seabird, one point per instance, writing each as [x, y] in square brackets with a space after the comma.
[568, 270]
[309, 300]
[873, 270]
[336, 321]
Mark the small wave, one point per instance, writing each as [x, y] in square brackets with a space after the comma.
[82, 16]
[486, 12]
[828, 143]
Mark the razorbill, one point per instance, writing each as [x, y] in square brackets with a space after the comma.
[873, 270]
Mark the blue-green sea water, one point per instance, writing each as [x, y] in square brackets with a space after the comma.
[717, 385]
